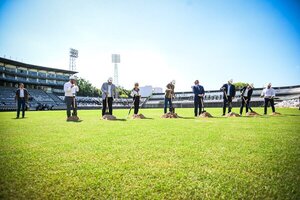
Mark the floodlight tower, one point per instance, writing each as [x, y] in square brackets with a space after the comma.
[115, 61]
[73, 56]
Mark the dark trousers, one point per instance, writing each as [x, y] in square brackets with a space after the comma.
[227, 101]
[110, 102]
[21, 103]
[71, 103]
[267, 100]
[246, 101]
[197, 104]
[168, 101]
[136, 105]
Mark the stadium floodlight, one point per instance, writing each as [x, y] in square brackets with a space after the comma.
[115, 61]
[73, 56]
[73, 53]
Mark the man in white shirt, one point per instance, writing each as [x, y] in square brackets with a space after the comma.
[71, 89]
[268, 93]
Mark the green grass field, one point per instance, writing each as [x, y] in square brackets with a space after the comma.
[45, 157]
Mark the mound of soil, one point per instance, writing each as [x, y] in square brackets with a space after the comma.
[205, 115]
[138, 116]
[73, 118]
[252, 114]
[170, 115]
[275, 114]
[232, 114]
[109, 117]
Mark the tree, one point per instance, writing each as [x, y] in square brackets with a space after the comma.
[122, 92]
[87, 89]
[240, 85]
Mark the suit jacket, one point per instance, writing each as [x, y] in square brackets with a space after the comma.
[169, 91]
[198, 89]
[26, 94]
[231, 90]
[250, 91]
[104, 89]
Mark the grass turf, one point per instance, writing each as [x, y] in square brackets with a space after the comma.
[45, 157]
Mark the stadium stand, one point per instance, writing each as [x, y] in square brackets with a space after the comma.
[45, 86]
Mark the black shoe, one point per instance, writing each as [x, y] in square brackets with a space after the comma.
[17, 117]
[223, 115]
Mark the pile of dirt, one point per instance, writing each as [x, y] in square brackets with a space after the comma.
[275, 114]
[252, 114]
[109, 117]
[138, 116]
[205, 115]
[232, 114]
[73, 118]
[170, 115]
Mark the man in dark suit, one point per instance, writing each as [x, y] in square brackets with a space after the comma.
[198, 91]
[228, 94]
[246, 93]
[21, 98]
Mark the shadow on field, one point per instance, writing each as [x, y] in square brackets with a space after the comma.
[76, 121]
[19, 118]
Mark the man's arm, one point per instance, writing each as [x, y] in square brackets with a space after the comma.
[103, 90]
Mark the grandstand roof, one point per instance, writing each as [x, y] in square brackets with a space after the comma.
[21, 64]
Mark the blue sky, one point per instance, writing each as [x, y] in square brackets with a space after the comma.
[256, 41]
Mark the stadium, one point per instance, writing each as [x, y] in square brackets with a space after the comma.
[150, 168]
[45, 86]
[84, 133]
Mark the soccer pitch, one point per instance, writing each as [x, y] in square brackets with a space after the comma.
[45, 157]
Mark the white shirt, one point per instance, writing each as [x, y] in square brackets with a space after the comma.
[21, 93]
[133, 92]
[267, 93]
[108, 90]
[69, 90]
[228, 89]
[246, 92]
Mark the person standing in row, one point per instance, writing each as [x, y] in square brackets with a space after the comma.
[71, 89]
[108, 93]
[268, 94]
[229, 93]
[198, 91]
[246, 93]
[21, 98]
[135, 93]
[169, 95]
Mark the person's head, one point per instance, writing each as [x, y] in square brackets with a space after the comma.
[136, 85]
[250, 85]
[21, 85]
[196, 82]
[269, 85]
[110, 80]
[173, 82]
[73, 79]
[230, 82]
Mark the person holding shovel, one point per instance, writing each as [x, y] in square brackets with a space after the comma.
[198, 91]
[268, 94]
[246, 93]
[135, 93]
[229, 93]
[108, 93]
[169, 95]
[71, 89]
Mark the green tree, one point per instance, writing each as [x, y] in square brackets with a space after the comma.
[87, 89]
[240, 85]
